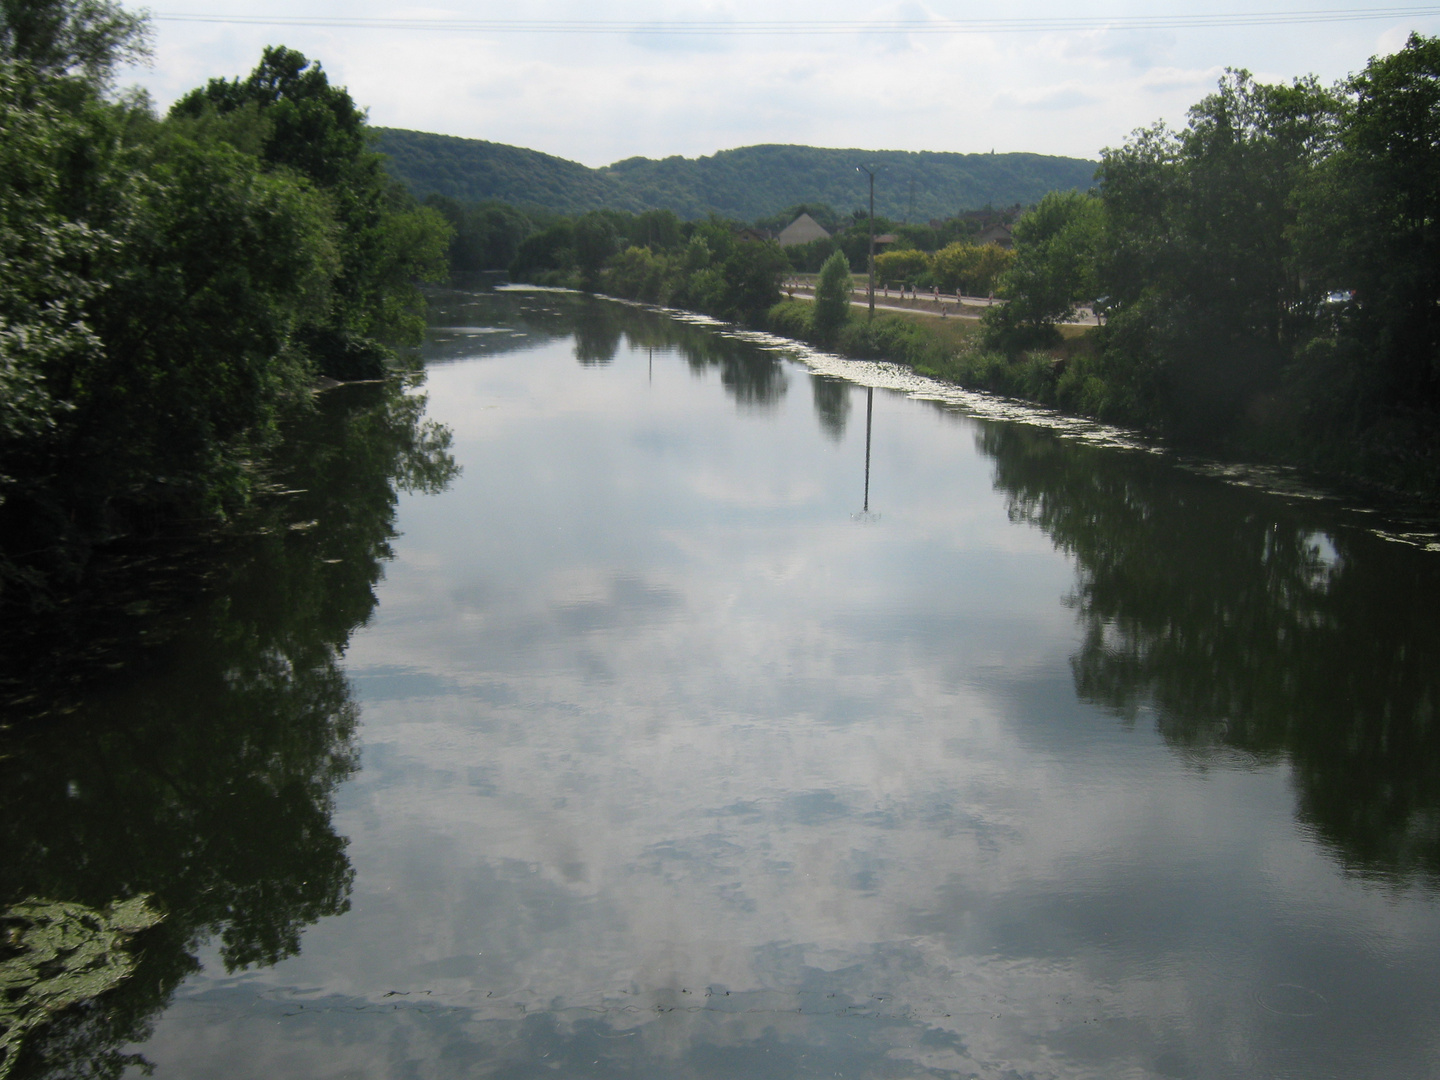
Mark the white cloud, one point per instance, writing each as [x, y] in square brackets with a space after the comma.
[599, 98]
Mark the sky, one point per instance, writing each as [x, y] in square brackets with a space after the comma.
[596, 83]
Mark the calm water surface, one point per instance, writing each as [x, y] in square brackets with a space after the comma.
[652, 753]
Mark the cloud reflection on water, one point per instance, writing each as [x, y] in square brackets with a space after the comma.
[670, 778]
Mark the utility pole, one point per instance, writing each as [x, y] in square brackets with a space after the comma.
[871, 288]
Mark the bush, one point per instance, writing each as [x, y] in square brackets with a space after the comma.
[792, 319]
[832, 298]
[909, 267]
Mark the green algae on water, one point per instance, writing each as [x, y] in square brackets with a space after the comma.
[58, 954]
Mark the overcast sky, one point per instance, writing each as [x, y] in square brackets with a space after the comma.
[599, 96]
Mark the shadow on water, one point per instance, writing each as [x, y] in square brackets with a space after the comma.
[467, 324]
[1246, 624]
[754, 378]
[203, 775]
[832, 405]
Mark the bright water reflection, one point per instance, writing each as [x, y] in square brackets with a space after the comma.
[1070, 764]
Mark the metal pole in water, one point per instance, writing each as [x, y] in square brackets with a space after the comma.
[869, 408]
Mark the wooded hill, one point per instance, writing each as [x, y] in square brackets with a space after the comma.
[742, 184]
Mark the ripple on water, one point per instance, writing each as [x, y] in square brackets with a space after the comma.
[1291, 999]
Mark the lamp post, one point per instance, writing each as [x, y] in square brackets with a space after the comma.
[871, 268]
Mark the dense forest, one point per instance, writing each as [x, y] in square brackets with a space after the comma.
[174, 285]
[498, 236]
[743, 184]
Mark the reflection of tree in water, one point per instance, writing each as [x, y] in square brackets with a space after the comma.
[752, 376]
[1247, 628]
[204, 774]
[598, 326]
[832, 404]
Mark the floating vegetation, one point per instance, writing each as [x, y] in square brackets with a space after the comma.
[56, 955]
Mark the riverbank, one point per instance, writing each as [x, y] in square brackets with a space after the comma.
[951, 349]
[1073, 377]
[935, 305]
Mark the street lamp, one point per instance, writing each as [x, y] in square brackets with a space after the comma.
[871, 289]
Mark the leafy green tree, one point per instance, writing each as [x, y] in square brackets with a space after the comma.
[1370, 223]
[1199, 267]
[1057, 248]
[832, 297]
[595, 242]
[980, 266]
[85, 38]
[907, 266]
[168, 285]
[658, 230]
[637, 273]
[548, 250]
[752, 273]
[153, 286]
[385, 242]
[808, 258]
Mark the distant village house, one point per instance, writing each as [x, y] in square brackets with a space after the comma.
[1001, 235]
[803, 230]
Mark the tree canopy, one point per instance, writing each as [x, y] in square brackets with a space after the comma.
[84, 38]
[745, 184]
[171, 286]
[1270, 273]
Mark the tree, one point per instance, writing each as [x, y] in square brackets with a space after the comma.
[1057, 245]
[305, 125]
[907, 266]
[84, 38]
[595, 242]
[637, 273]
[659, 230]
[169, 285]
[832, 297]
[1199, 265]
[550, 249]
[1370, 222]
[753, 271]
[153, 286]
[970, 267]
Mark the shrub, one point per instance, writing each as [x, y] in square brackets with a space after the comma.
[832, 298]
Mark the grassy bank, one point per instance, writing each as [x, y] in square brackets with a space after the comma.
[952, 350]
[1078, 376]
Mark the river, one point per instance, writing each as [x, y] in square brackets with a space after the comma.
[594, 712]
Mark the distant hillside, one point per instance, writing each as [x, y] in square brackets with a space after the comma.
[746, 184]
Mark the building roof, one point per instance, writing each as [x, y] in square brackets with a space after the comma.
[803, 230]
[997, 234]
